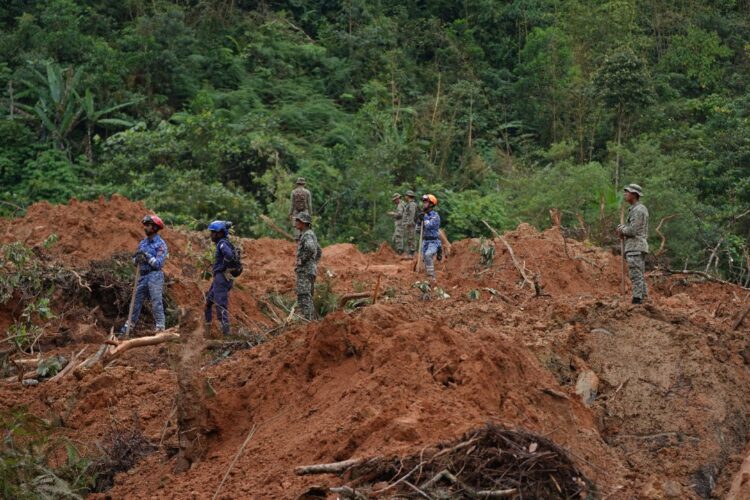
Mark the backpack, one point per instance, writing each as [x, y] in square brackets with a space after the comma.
[299, 200]
[234, 265]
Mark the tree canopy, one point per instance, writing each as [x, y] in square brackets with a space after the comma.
[503, 109]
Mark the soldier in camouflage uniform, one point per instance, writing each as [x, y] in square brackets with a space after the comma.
[635, 233]
[301, 201]
[409, 224]
[398, 227]
[308, 255]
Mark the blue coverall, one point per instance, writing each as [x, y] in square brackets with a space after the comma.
[151, 281]
[218, 294]
[431, 241]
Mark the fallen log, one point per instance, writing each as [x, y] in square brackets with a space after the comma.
[276, 228]
[332, 468]
[112, 349]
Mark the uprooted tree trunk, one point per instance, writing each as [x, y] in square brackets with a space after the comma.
[194, 423]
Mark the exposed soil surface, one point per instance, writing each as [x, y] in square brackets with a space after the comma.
[667, 416]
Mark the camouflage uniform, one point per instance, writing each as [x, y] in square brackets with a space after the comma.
[308, 255]
[398, 226]
[301, 201]
[409, 227]
[635, 231]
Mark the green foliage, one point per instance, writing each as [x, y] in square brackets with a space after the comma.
[29, 461]
[577, 188]
[487, 252]
[49, 367]
[696, 55]
[466, 210]
[22, 272]
[503, 109]
[324, 299]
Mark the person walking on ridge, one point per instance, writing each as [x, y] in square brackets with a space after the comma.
[306, 267]
[635, 234]
[150, 256]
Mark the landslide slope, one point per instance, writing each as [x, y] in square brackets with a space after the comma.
[669, 418]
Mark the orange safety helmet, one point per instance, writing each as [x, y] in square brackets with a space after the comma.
[431, 198]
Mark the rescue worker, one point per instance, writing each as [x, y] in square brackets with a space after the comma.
[398, 223]
[150, 256]
[301, 201]
[431, 244]
[635, 234]
[218, 293]
[306, 267]
[409, 220]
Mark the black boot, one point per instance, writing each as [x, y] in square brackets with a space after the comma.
[637, 300]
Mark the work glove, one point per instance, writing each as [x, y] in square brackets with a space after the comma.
[420, 217]
[140, 257]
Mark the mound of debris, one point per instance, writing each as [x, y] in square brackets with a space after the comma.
[490, 462]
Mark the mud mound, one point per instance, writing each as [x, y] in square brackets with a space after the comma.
[564, 267]
[86, 230]
[376, 385]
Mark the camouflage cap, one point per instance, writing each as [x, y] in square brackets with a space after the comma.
[409, 193]
[300, 181]
[395, 196]
[634, 188]
[303, 217]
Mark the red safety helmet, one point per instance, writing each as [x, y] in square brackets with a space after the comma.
[153, 219]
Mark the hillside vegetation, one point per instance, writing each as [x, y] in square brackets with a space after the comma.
[503, 109]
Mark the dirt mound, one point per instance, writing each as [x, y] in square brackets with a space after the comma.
[379, 384]
[665, 414]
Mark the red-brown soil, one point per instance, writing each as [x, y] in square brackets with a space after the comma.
[670, 418]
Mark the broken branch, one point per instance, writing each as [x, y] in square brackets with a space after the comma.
[332, 468]
[276, 228]
[663, 238]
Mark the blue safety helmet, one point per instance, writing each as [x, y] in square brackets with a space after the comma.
[220, 226]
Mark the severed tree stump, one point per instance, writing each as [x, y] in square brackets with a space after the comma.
[194, 423]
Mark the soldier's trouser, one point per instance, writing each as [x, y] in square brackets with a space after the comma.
[150, 286]
[218, 295]
[398, 240]
[410, 239]
[429, 250]
[305, 286]
[637, 268]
